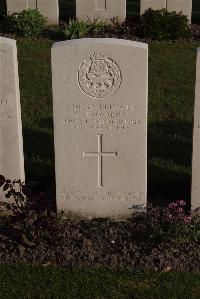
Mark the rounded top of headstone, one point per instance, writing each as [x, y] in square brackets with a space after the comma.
[110, 41]
[6, 40]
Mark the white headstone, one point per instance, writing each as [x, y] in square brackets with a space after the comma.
[184, 6]
[11, 147]
[31, 4]
[154, 4]
[101, 9]
[100, 125]
[195, 198]
[48, 8]
[16, 5]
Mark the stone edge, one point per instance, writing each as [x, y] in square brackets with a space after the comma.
[110, 41]
[8, 41]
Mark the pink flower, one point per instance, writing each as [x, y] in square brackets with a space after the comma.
[181, 202]
[169, 216]
[172, 205]
[187, 219]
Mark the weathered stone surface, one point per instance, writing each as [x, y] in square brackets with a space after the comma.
[11, 148]
[154, 4]
[184, 6]
[48, 8]
[16, 5]
[195, 198]
[101, 9]
[100, 125]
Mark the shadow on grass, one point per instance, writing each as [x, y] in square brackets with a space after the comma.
[169, 161]
[39, 152]
[39, 159]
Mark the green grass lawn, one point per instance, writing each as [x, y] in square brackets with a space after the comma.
[38, 282]
[170, 118]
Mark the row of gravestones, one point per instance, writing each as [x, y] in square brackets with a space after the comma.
[184, 6]
[104, 9]
[100, 124]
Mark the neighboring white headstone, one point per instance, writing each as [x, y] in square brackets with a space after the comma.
[184, 6]
[101, 9]
[100, 126]
[16, 5]
[11, 147]
[31, 4]
[154, 4]
[195, 198]
[48, 8]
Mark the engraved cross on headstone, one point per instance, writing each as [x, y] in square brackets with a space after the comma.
[100, 154]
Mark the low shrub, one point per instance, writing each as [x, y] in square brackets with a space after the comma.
[93, 28]
[98, 27]
[75, 29]
[29, 23]
[164, 25]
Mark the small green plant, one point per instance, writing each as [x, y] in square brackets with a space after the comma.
[98, 27]
[28, 23]
[75, 29]
[101, 28]
[164, 25]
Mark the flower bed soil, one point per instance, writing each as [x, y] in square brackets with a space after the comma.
[100, 242]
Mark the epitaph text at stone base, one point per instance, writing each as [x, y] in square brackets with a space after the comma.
[100, 126]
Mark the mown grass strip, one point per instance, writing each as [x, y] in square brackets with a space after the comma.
[23, 281]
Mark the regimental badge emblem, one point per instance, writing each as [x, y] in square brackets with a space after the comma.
[100, 76]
